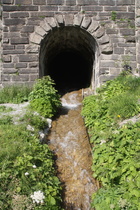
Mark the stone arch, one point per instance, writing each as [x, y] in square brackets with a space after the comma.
[71, 36]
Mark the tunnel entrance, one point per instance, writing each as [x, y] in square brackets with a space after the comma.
[67, 54]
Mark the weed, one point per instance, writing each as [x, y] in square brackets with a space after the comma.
[113, 15]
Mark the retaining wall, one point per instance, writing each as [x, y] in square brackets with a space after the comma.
[114, 25]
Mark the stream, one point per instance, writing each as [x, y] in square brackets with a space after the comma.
[69, 141]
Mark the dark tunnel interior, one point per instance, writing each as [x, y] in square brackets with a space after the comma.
[70, 70]
[67, 55]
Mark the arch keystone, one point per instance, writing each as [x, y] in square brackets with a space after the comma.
[78, 19]
[59, 19]
[68, 19]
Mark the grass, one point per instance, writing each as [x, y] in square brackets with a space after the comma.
[14, 94]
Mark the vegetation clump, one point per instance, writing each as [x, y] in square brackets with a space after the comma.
[116, 154]
[27, 173]
[44, 98]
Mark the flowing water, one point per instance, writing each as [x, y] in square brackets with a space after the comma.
[69, 141]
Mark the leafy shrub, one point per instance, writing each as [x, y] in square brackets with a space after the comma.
[116, 159]
[44, 98]
[14, 94]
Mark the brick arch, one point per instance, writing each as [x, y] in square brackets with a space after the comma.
[88, 26]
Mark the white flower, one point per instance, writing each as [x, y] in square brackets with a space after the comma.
[38, 197]
[26, 173]
[34, 166]
[102, 142]
[30, 128]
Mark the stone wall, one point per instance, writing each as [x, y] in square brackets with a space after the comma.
[111, 23]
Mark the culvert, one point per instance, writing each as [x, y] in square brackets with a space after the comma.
[68, 55]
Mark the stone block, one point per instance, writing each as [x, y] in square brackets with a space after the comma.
[92, 8]
[130, 50]
[104, 78]
[19, 8]
[51, 21]
[28, 58]
[8, 65]
[20, 65]
[49, 8]
[87, 2]
[115, 8]
[119, 50]
[39, 2]
[78, 19]
[69, 8]
[86, 22]
[127, 32]
[107, 63]
[7, 2]
[112, 31]
[107, 49]
[33, 77]
[8, 47]
[18, 40]
[93, 26]
[32, 48]
[6, 58]
[107, 2]
[23, 2]
[13, 21]
[33, 65]
[27, 29]
[71, 2]
[41, 15]
[125, 15]
[45, 25]
[125, 2]
[19, 14]
[103, 71]
[40, 31]
[99, 33]
[68, 18]
[5, 77]
[23, 77]
[12, 52]
[59, 19]
[138, 22]
[35, 38]
[115, 71]
[27, 71]
[104, 39]
[55, 2]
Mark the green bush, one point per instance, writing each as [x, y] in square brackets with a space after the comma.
[116, 158]
[44, 98]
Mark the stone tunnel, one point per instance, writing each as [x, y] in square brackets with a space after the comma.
[67, 54]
